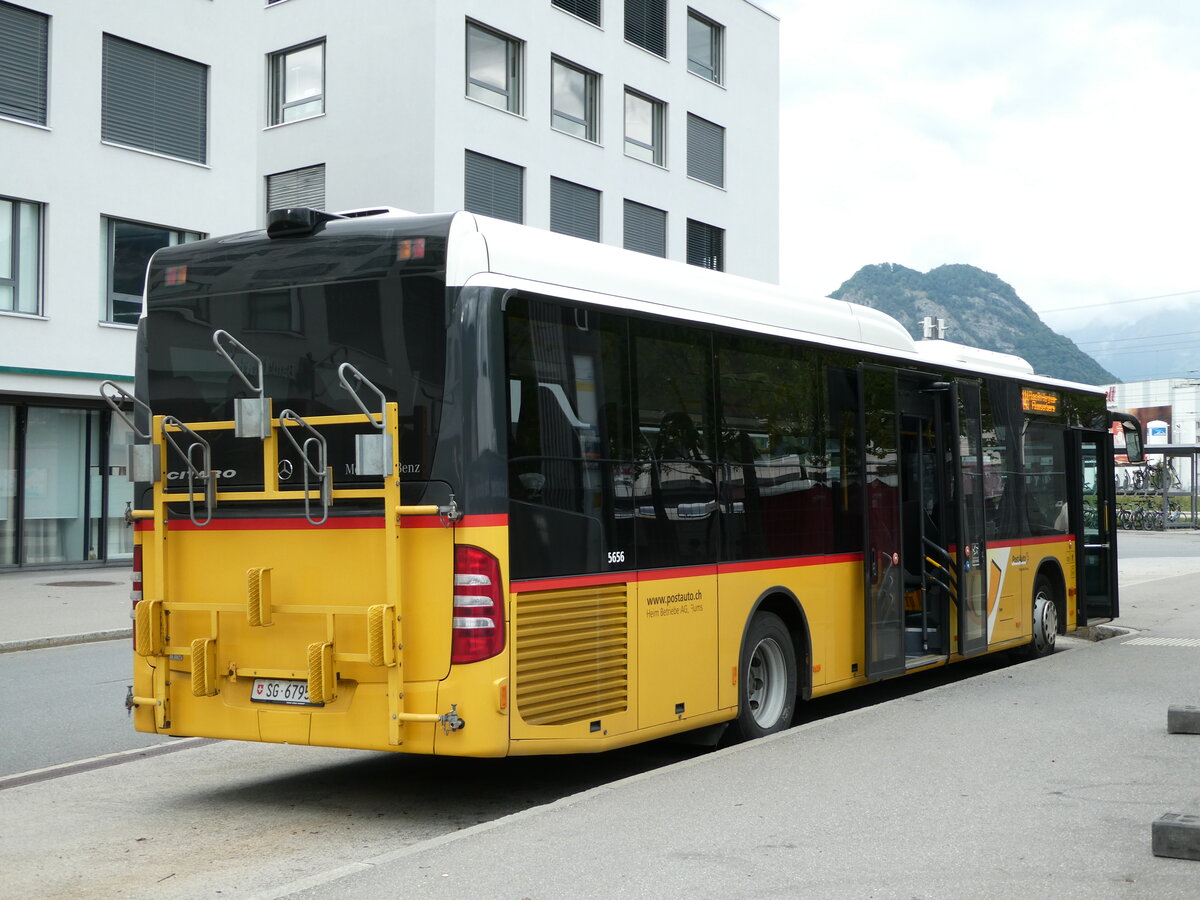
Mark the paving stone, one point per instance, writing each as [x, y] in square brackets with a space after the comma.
[1177, 834]
[1183, 719]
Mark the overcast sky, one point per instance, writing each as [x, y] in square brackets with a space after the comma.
[1055, 143]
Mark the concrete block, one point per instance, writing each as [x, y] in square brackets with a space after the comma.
[1177, 835]
[1183, 720]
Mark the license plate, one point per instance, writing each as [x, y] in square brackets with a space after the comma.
[281, 690]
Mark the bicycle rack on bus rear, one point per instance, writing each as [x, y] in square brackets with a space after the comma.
[252, 418]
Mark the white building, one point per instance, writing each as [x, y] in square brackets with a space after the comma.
[124, 127]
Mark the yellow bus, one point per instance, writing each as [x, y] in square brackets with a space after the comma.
[446, 484]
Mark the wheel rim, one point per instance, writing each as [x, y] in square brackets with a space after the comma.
[1045, 622]
[766, 683]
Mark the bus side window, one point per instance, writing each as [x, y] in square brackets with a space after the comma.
[675, 493]
[1044, 448]
[1003, 514]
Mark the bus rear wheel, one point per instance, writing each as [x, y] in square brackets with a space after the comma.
[767, 679]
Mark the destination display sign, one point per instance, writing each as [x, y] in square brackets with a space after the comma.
[1034, 400]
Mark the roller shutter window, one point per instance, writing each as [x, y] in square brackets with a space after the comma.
[645, 229]
[297, 188]
[705, 246]
[494, 188]
[588, 10]
[154, 101]
[24, 44]
[574, 209]
[646, 24]
[706, 151]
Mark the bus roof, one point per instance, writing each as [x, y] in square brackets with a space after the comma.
[506, 254]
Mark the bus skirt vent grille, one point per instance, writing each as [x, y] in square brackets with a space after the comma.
[572, 654]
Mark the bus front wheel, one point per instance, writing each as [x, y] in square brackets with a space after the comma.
[767, 678]
[1045, 619]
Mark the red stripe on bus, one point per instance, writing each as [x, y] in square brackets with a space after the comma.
[665, 574]
[1026, 542]
[1056, 539]
[767, 565]
[570, 581]
[649, 575]
[483, 521]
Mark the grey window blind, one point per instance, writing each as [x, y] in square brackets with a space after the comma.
[23, 54]
[574, 209]
[585, 9]
[645, 229]
[494, 188]
[297, 188]
[154, 101]
[705, 245]
[706, 151]
[646, 24]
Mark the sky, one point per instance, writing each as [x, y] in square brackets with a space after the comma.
[1054, 143]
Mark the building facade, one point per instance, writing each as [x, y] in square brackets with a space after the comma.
[1169, 410]
[649, 124]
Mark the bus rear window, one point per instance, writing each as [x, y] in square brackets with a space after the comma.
[391, 329]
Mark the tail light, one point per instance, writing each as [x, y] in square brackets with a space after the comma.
[135, 592]
[478, 606]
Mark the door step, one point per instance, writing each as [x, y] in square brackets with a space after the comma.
[916, 662]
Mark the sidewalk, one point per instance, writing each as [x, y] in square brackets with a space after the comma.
[1040, 779]
[52, 607]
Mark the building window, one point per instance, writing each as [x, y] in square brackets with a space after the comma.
[493, 68]
[704, 46]
[573, 105]
[588, 10]
[154, 101]
[20, 256]
[129, 248]
[706, 151]
[645, 229]
[24, 42]
[574, 209]
[297, 188]
[705, 245]
[298, 83]
[494, 188]
[646, 24]
[644, 118]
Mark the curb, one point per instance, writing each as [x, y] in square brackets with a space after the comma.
[64, 640]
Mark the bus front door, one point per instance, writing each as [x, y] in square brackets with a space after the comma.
[1092, 515]
[883, 571]
[971, 558]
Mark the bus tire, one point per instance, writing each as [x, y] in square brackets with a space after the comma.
[1045, 619]
[767, 679]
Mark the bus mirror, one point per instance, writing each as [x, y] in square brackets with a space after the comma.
[1132, 430]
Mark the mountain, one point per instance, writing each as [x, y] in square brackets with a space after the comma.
[979, 310]
[1157, 338]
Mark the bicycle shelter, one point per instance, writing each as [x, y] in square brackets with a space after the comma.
[1166, 490]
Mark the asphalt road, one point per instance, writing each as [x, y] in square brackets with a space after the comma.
[64, 704]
